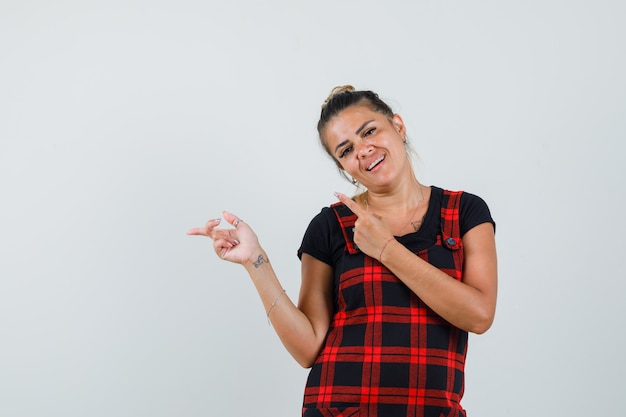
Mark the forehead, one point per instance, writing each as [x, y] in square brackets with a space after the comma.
[348, 121]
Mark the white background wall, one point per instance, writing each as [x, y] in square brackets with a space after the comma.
[124, 123]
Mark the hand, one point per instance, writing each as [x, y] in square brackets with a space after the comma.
[238, 245]
[371, 231]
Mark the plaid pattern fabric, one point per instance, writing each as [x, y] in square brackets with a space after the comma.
[387, 353]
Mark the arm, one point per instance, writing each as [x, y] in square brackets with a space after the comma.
[469, 304]
[301, 329]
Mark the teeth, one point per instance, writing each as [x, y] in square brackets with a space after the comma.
[376, 162]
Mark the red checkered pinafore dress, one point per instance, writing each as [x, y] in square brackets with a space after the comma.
[387, 354]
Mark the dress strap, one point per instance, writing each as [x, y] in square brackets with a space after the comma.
[451, 229]
[346, 219]
[450, 222]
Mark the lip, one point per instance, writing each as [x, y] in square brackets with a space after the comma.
[374, 163]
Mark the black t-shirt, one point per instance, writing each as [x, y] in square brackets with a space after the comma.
[324, 238]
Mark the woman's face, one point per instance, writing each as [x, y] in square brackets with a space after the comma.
[368, 146]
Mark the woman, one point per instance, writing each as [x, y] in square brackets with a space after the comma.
[392, 280]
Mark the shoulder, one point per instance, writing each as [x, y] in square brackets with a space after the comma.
[473, 210]
[326, 216]
[472, 200]
[323, 223]
[320, 236]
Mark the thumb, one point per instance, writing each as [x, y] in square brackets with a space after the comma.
[230, 218]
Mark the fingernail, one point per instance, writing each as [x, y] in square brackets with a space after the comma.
[216, 220]
[236, 241]
[337, 195]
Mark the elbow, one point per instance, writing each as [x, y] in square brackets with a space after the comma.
[305, 364]
[482, 322]
[480, 328]
[306, 361]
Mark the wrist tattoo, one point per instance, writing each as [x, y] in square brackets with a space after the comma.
[260, 260]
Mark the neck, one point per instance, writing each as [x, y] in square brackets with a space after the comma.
[405, 196]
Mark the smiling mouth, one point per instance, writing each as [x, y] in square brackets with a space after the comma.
[376, 162]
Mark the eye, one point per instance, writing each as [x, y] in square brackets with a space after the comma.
[345, 151]
[369, 131]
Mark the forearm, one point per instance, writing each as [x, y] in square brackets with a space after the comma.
[293, 327]
[460, 304]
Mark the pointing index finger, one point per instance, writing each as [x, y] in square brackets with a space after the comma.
[351, 204]
[206, 230]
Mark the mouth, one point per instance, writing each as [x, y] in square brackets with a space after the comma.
[375, 163]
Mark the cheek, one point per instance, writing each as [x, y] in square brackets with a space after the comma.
[346, 165]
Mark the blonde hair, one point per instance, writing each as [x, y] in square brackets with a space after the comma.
[337, 90]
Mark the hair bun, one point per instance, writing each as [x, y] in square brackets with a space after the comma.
[338, 90]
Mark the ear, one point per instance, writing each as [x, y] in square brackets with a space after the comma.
[398, 124]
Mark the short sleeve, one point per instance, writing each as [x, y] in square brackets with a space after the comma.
[473, 211]
[317, 238]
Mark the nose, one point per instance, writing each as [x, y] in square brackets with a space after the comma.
[364, 149]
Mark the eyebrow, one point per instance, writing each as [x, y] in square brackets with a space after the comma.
[363, 126]
[356, 133]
